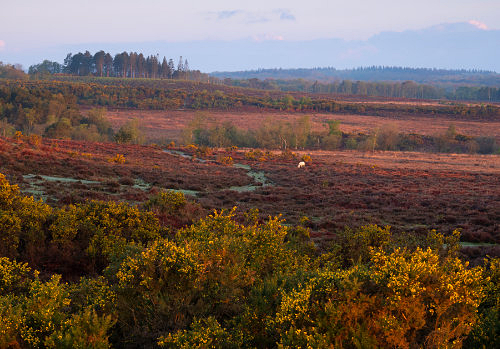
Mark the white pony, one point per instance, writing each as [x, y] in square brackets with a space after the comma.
[301, 164]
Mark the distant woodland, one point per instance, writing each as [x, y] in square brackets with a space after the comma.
[391, 89]
[123, 65]
[374, 73]
[391, 82]
[375, 81]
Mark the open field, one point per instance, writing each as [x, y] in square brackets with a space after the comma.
[412, 192]
[162, 125]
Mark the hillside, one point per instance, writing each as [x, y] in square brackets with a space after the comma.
[441, 77]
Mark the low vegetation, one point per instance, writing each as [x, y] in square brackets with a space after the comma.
[30, 103]
[104, 274]
[273, 134]
[52, 109]
[115, 255]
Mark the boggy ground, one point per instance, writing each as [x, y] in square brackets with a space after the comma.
[399, 189]
[412, 192]
[64, 172]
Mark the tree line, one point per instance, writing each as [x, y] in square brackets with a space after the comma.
[374, 73]
[124, 65]
[391, 89]
[379, 84]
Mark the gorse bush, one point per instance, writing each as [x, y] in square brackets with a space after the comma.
[103, 274]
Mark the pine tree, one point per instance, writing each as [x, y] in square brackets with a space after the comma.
[171, 68]
[98, 62]
[141, 65]
[164, 69]
[132, 64]
[108, 64]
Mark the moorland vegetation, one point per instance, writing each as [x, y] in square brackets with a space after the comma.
[53, 108]
[275, 134]
[103, 274]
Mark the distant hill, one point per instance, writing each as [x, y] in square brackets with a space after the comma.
[440, 77]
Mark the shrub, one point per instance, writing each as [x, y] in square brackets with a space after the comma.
[118, 159]
[160, 284]
[226, 160]
[487, 145]
[387, 137]
[351, 142]
[166, 202]
[130, 133]
[204, 333]
[400, 299]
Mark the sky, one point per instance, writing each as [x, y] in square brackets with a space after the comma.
[34, 24]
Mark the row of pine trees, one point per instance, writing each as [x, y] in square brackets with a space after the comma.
[124, 65]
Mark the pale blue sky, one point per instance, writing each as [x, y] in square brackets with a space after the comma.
[32, 23]
[31, 30]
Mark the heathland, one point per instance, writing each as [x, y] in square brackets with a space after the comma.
[141, 212]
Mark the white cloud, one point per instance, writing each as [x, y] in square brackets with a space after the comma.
[252, 17]
[268, 37]
[478, 24]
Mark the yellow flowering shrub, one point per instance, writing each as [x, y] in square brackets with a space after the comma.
[43, 310]
[86, 330]
[445, 291]
[96, 293]
[21, 220]
[160, 284]
[260, 247]
[117, 159]
[354, 246]
[222, 283]
[399, 300]
[203, 334]
[14, 276]
[36, 313]
[486, 331]
[166, 202]
[109, 226]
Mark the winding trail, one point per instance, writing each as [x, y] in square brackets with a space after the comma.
[257, 176]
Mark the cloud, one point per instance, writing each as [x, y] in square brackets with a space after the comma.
[240, 15]
[2, 44]
[478, 24]
[286, 15]
[252, 17]
[268, 37]
[227, 14]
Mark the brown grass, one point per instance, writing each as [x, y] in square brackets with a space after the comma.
[168, 124]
